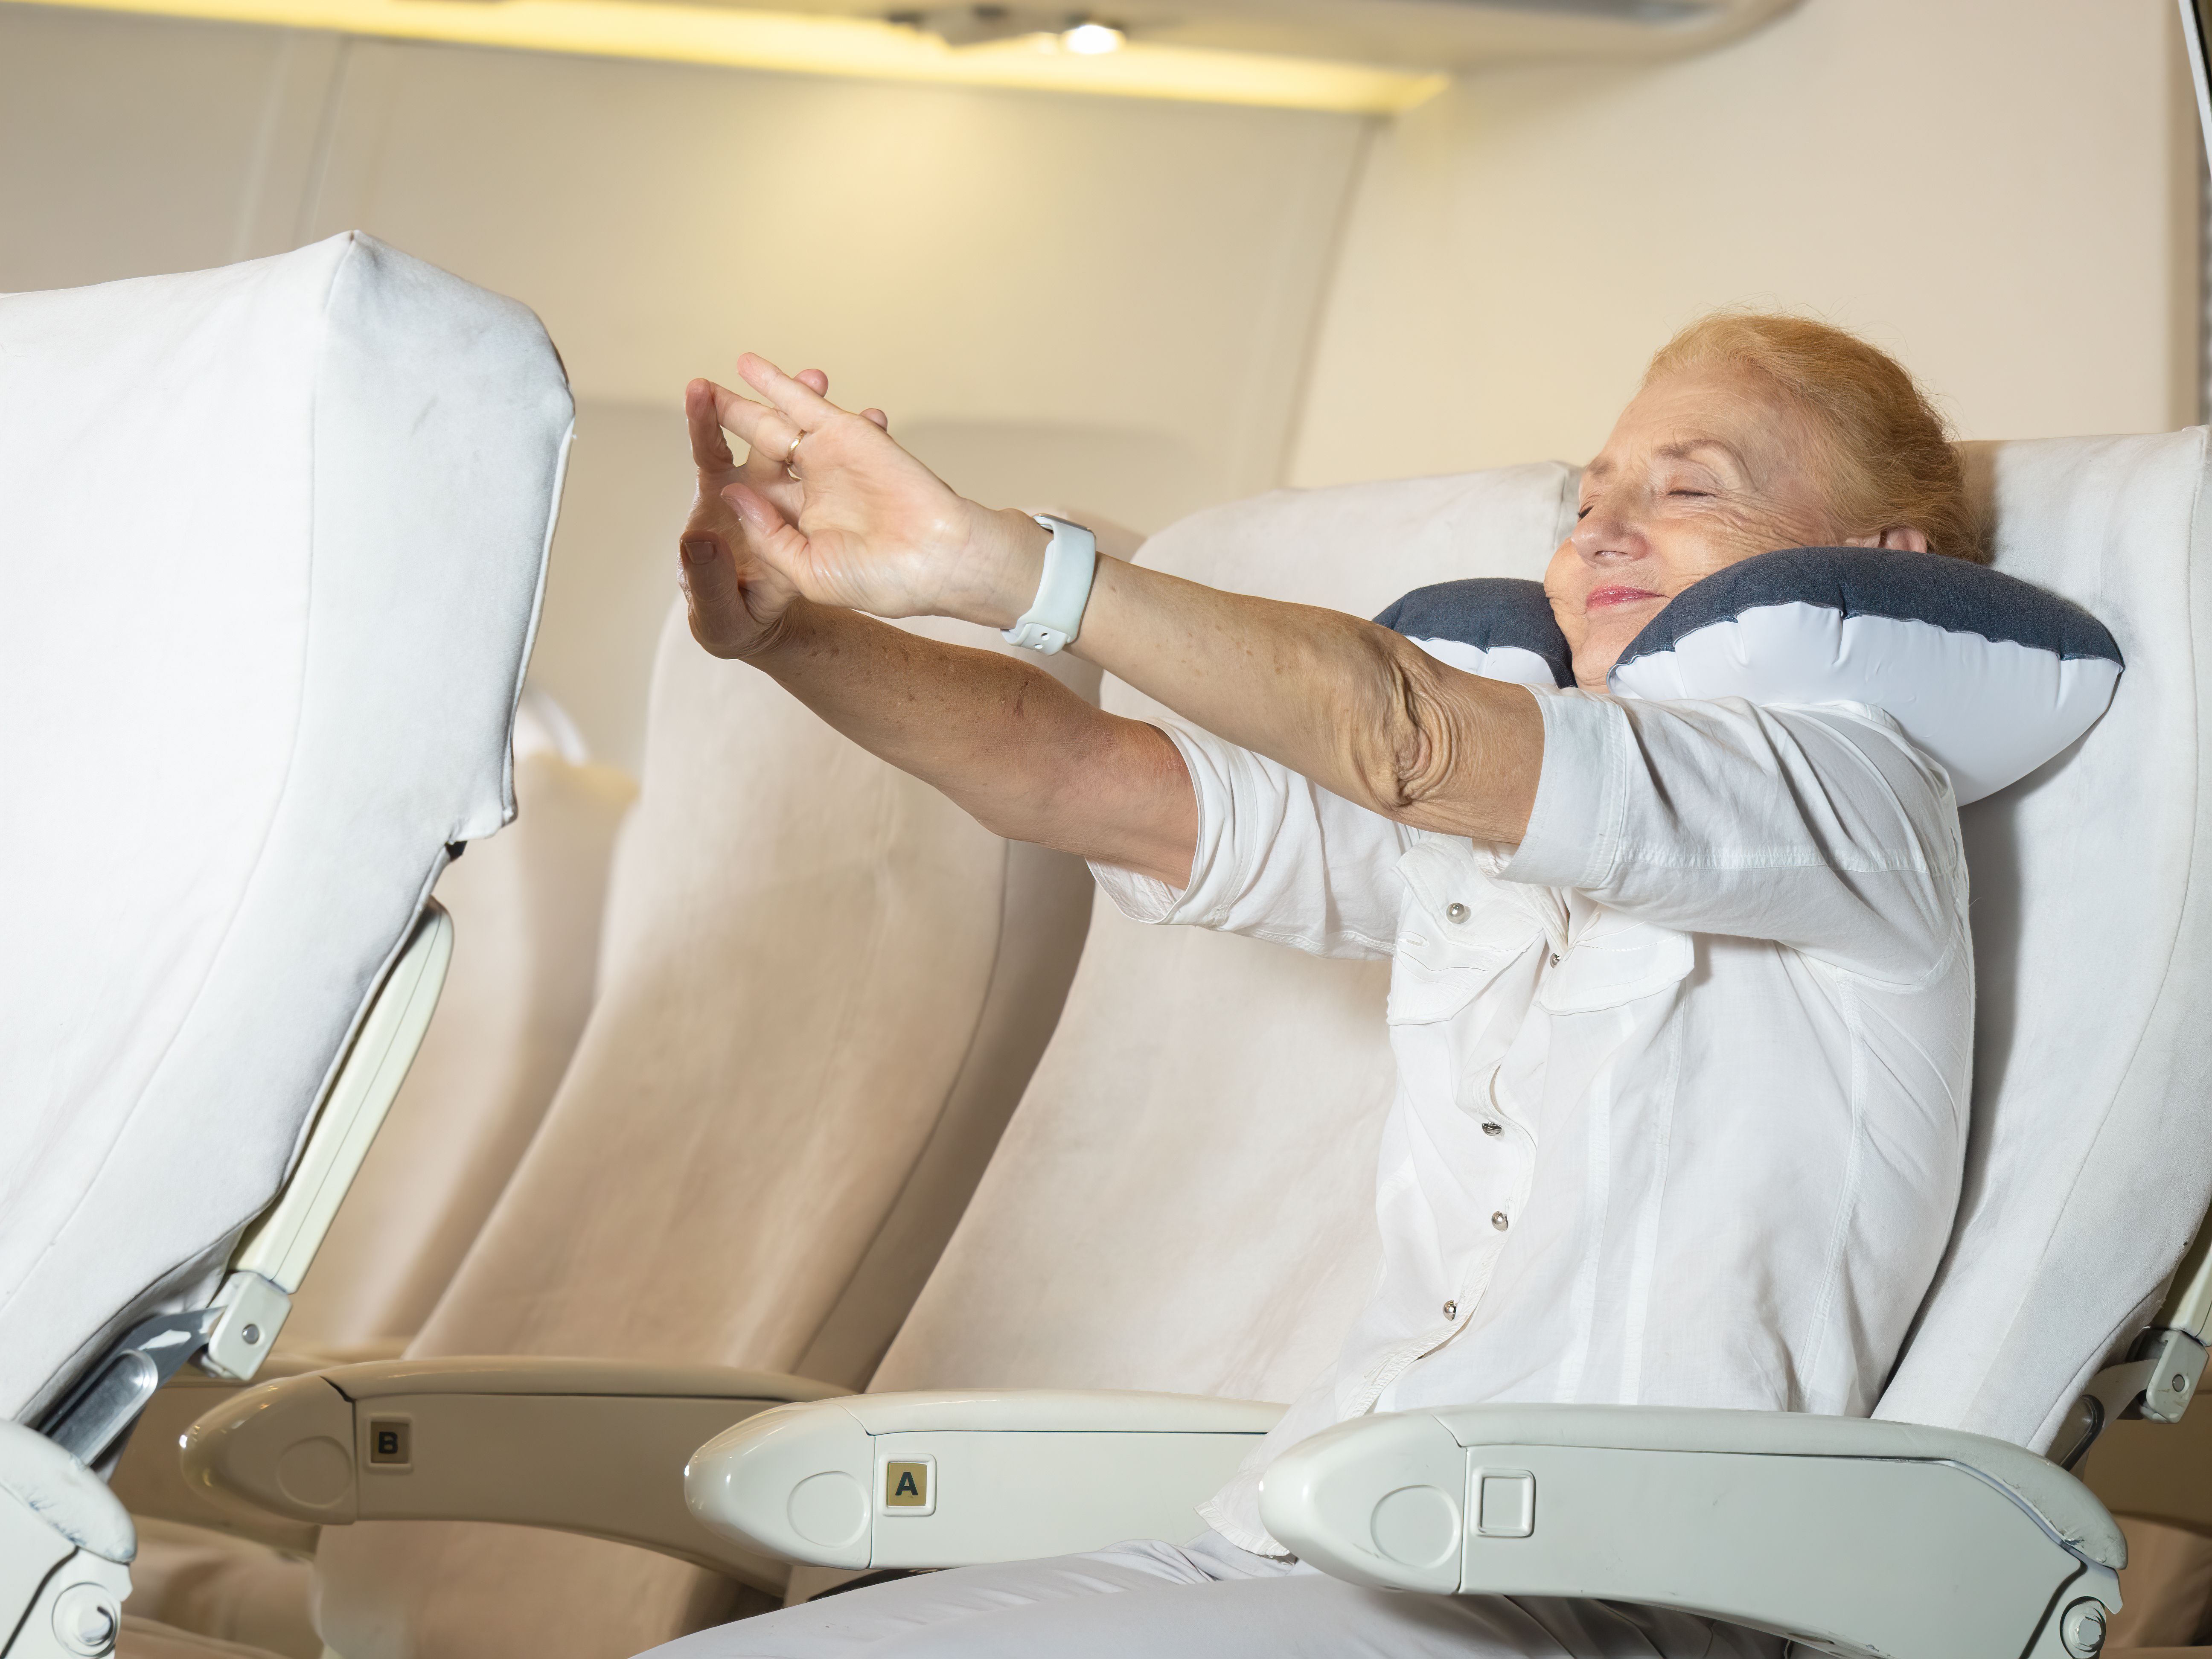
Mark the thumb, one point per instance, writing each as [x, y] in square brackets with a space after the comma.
[712, 595]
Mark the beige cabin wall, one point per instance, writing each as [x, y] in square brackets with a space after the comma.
[2001, 191]
[1062, 300]
[1140, 308]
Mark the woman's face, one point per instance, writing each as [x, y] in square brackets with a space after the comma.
[1705, 467]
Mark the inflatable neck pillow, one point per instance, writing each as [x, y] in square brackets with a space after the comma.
[1987, 675]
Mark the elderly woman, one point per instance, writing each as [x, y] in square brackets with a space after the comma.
[1683, 990]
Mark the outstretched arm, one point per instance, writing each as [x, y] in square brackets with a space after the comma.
[1354, 706]
[1004, 739]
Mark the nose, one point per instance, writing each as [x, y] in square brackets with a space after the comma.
[1608, 529]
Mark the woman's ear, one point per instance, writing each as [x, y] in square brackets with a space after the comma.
[1903, 537]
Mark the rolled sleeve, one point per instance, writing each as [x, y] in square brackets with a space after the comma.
[1819, 828]
[1277, 858]
[1575, 824]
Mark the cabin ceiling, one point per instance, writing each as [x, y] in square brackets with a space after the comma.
[1350, 56]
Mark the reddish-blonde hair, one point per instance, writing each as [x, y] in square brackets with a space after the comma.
[1889, 459]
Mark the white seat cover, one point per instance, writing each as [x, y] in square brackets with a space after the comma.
[2088, 1165]
[272, 539]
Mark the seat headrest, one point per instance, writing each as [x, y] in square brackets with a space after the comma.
[1986, 673]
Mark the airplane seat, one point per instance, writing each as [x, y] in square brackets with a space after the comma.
[823, 988]
[276, 538]
[2065, 1300]
[2071, 1294]
[527, 905]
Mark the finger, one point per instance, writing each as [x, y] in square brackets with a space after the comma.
[800, 404]
[814, 380]
[769, 535]
[766, 431]
[710, 450]
[762, 517]
[878, 417]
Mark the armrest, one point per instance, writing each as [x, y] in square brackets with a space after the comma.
[150, 1482]
[578, 1445]
[1860, 1537]
[955, 1479]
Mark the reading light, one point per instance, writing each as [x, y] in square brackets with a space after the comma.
[1092, 40]
[814, 44]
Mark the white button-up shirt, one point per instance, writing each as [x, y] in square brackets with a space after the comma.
[1682, 1080]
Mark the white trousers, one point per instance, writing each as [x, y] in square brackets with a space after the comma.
[1205, 1599]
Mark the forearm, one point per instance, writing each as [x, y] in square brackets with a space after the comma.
[1004, 740]
[1358, 710]
[1351, 706]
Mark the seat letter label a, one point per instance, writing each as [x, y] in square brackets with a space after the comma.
[908, 1485]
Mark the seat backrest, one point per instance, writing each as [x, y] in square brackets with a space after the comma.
[2089, 1165]
[1186, 1200]
[823, 988]
[271, 542]
[527, 905]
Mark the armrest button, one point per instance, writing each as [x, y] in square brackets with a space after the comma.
[1505, 1503]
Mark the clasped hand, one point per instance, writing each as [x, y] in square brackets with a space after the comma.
[853, 520]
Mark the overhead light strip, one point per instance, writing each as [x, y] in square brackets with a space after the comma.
[813, 45]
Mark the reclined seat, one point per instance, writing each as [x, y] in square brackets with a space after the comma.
[276, 536]
[823, 990]
[1184, 1205]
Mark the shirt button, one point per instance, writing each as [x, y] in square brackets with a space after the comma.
[1555, 958]
[1451, 1310]
[1493, 1128]
[1455, 910]
[1497, 1220]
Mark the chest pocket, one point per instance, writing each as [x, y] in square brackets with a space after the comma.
[1616, 960]
[1457, 935]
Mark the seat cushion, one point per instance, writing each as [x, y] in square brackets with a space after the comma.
[190, 1583]
[2167, 1585]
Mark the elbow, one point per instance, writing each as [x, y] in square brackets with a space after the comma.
[1451, 752]
[1404, 757]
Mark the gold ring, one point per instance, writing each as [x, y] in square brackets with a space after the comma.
[790, 452]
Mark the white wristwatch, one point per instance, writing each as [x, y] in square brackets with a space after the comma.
[1055, 615]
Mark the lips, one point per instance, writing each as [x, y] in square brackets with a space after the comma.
[1603, 599]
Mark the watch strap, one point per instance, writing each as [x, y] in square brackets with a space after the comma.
[1056, 614]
